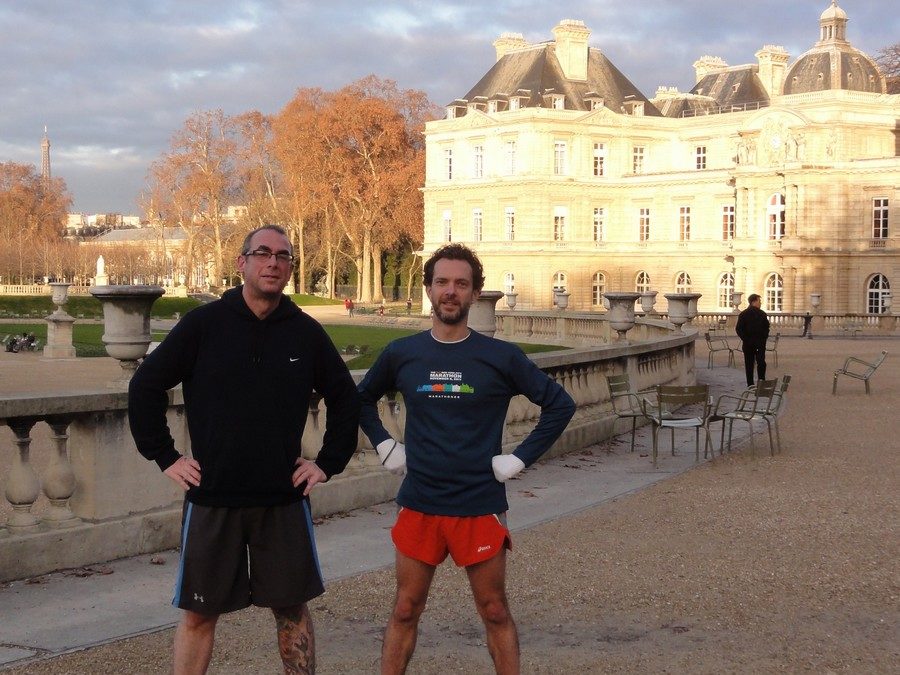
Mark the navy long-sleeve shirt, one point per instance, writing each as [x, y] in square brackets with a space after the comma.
[456, 397]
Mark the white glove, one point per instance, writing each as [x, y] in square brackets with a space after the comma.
[506, 467]
[392, 455]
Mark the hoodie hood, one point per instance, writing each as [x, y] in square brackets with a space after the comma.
[234, 299]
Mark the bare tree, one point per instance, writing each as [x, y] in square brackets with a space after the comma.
[888, 60]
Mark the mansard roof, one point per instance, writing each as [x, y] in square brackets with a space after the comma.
[536, 72]
[735, 86]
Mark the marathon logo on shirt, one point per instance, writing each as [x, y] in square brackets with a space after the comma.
[445, 384]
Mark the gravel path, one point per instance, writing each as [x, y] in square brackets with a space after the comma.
[742, 565]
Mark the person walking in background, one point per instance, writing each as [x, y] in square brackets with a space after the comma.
[456, 385]
[753, 330]
[249, 363]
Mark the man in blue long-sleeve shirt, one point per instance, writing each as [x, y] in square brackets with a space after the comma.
[456, 385]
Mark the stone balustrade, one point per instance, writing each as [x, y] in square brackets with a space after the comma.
[77, 492]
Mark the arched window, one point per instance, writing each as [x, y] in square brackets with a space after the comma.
[774, 293]
[560, 283]
[509, 282]
[724, 289]
[877, 294]
[598, 288]
[682, 282]
[642, 282]
[775, 216]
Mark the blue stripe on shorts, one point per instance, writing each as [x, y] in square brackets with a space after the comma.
[312, 538]
[184, 532]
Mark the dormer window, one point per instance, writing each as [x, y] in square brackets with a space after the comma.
[635, 108]
[558, 102]
[597, 104]
[492, 106]
[734, 88]
[514, 103]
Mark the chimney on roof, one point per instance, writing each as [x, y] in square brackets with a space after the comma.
[772, 66]
[572, 48]
[706, 65]
[508, 42]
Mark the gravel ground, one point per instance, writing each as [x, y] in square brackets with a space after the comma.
[742, 565]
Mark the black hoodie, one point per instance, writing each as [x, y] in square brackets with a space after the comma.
[247, 387]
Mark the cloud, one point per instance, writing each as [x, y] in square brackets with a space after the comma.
[114, 81]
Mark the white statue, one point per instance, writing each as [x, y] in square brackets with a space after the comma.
[101, 266]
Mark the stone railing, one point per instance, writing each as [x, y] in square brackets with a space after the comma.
[823, 325]
[77, 492]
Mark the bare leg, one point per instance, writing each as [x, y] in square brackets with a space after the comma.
[413, 581]
[488, 581]
[296, 641]
[194, 643]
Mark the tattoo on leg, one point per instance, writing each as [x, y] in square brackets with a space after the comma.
[296, 642]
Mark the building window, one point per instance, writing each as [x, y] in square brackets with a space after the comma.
[599, 223]
[559, 102]
[509, 222]
[559, 223]
[637, 159]
[700, 157]
[477, 224]
[684, 223]
[775, 216]
[724, 290]
[559, 158]
[509, 283]
[880, 218]
[774, 293]
[598, 288]
[683, 282]
[510, 153]
[514, 103]
[642, 282]
[877, 295]
[599, 158]
[728, 222]
[644, 224]
[448, 225]
[448, 163]
[478, 161]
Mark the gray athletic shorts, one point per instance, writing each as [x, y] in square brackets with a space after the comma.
[232, 558]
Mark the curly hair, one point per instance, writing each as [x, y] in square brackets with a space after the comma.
[455, 252]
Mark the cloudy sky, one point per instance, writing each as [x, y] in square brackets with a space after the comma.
[112, 81]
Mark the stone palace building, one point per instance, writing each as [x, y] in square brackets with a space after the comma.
[778, 177]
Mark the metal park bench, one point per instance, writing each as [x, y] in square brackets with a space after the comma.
[858, 370]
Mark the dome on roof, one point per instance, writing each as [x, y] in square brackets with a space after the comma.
[833, 67]
[833, 12]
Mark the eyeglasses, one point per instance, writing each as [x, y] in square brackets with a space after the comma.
[264, 255]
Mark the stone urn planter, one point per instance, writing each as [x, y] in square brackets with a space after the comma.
[736, 300]
[562, 299]
[126, 323]
[483, 313]
[59, 325]
[692, 305]
[511, 300]
[648, 299]
[679, 308]
[621, 312]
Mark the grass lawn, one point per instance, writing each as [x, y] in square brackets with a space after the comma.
[371, 339]
[83, 307]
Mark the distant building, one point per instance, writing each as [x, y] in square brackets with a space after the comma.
[774, 177]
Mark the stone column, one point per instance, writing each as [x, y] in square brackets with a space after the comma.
[22, 485]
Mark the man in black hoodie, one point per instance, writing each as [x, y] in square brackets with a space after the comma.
[753, 329]
[248, 364]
